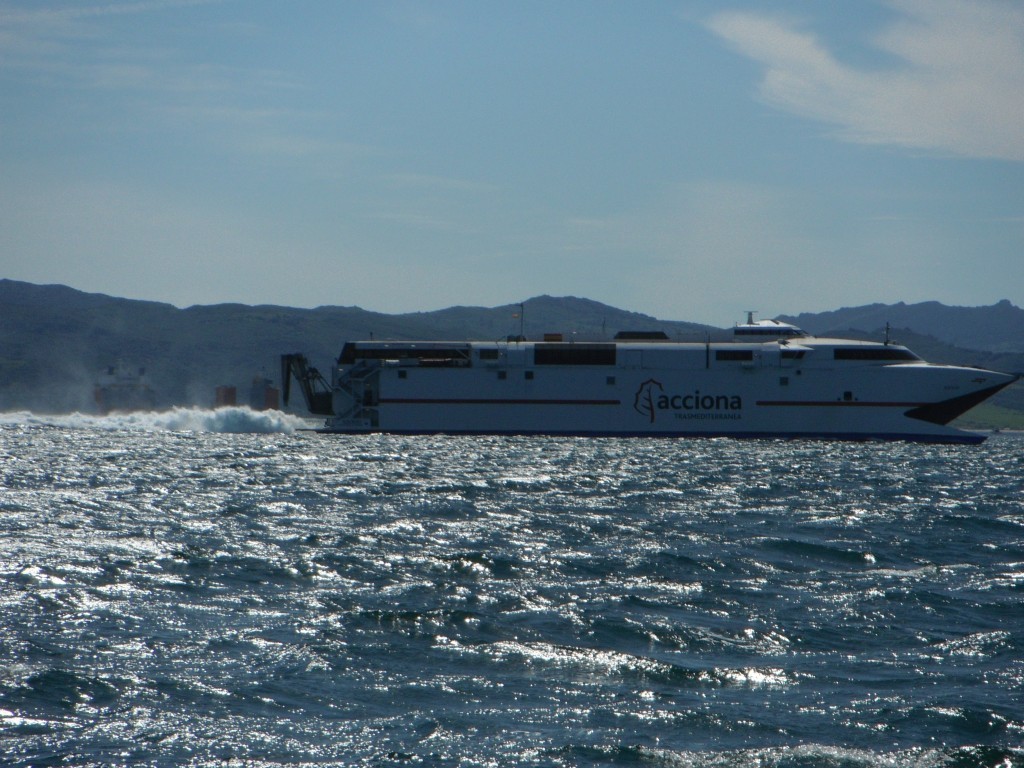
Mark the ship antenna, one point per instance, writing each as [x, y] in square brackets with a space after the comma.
[886, 333]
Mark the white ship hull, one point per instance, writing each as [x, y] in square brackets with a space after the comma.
[669, 403]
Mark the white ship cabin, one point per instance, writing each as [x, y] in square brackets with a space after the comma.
[766, 330]
[756, 344]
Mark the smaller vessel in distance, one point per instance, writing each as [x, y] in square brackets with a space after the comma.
[121, 389]
[771, 380]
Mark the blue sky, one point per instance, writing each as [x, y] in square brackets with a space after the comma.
[689, 160]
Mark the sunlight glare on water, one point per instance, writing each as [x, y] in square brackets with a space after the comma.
[191, 592]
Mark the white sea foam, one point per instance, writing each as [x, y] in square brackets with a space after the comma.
[227, 420]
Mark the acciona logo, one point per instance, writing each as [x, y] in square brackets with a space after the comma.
[651, 398]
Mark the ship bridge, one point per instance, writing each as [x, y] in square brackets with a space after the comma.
[766, 330]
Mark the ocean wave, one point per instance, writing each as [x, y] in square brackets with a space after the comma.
[193, 598]
[231, 420]
[820, 755]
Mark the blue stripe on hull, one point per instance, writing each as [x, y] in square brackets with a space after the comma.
[966, 438]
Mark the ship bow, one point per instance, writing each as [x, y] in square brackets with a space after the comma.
[945, 411]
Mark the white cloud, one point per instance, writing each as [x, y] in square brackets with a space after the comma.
[958, 87]
[78, 47]
[86, 10]
[74, 52]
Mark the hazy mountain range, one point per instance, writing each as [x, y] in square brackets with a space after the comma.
[55, 341]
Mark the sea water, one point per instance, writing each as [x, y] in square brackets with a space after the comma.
[220, 588]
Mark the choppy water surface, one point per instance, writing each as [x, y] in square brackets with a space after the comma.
[197, 597]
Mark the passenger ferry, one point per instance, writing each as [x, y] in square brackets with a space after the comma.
[771, 380]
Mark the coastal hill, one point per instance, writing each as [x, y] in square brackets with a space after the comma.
[55, 341]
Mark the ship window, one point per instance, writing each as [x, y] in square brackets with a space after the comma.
[429, 353]
[784, 381]
[641, 336]
[734, 354]
[848, 396]
[793, 354]
[610, 380]
[874, 353]
[768, 331]
[529, 374]
[488, 354]
[574, 354]
[403, 374]
[502, 374]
